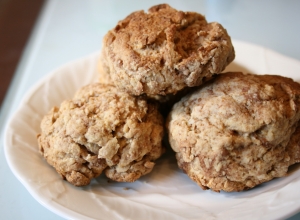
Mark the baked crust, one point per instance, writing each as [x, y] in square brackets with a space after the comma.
[102, 130]
[163, 51]
[237, 131]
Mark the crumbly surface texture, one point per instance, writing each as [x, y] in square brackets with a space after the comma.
[237, 131]
[163, 51]
[102, 130]
[165, 101]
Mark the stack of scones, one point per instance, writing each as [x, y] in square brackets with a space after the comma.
[161, 72]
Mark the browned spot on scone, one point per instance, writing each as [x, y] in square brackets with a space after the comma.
[237, 131]
[163, 51]
[102, 129]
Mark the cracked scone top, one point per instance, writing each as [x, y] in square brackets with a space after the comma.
[237, 131]
[102, 130]
[163, 51]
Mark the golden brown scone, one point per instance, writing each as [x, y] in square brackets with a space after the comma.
[237, 131]
[102, 130]
[163, 51]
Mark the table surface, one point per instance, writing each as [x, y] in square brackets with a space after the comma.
[70, 29]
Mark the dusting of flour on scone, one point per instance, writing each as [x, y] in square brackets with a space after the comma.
[163, 51]
[102, 130]
[237, 131]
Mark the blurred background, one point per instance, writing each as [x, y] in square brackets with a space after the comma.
[17, 18]
[38, 36]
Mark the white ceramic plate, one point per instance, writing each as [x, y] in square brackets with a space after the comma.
[166, 193]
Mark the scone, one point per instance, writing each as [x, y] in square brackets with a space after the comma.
[163, 51]
[102, 130]
[237, 131]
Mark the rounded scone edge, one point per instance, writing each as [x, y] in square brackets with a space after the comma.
[237, 131]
